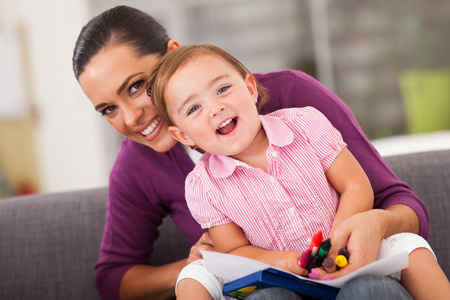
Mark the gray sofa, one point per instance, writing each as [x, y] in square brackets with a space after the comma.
[49, 242]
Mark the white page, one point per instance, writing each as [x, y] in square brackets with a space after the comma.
[232, 267]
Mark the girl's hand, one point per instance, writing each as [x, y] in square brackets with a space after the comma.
[288, 260]
[204, 243]
[361, 234]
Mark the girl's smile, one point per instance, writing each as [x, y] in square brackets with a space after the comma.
[213, 107]
[227, 126]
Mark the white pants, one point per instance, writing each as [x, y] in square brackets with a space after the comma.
[390, 246]
[399, 243]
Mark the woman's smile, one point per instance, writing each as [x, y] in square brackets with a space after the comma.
[113, 79]
[151, 127]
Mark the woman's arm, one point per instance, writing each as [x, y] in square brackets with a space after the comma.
[148, 282]
[145, 186]
[297, 89]
[396, 207]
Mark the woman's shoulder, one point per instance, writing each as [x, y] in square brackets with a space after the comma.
[132, 154]
[300, 115]
[283, 76]
[135, 160]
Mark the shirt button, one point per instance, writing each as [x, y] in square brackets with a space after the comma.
[291, 210]
[275, 154]
[273, 179]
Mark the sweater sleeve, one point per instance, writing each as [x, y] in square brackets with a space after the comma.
[145, 186]
[296, 89]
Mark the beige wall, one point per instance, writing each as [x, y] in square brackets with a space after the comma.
[69, 150]
[17, 155]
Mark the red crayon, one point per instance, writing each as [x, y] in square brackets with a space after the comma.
[304, 259]
[315, 243]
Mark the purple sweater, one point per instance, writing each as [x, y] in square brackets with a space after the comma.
[146, 186]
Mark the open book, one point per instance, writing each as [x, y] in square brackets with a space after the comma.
[247, 275]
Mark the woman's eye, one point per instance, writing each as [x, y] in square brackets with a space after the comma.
[135, 87]
[193, 108]
[223, 89]
[108, 110]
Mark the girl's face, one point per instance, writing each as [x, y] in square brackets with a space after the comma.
[114, 82]
[213, 107]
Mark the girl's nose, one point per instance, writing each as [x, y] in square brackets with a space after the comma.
[216, 109]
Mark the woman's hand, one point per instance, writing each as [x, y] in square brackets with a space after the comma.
[361, 234]
[204, 243]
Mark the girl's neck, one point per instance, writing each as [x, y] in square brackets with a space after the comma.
[256, 155]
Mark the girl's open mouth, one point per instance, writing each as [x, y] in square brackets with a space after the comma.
[227, 126]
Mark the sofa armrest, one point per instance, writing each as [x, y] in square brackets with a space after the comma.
[50, 243]
[428, 174]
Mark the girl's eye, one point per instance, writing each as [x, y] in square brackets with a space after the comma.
[223, 89]
[135, 87]
[193, 108]
[108, 110]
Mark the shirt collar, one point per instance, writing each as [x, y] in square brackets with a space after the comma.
[278, 133]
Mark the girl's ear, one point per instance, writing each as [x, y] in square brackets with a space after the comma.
[251, 86]
[180, 136]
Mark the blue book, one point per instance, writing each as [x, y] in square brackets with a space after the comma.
[245, 286]
[247, 275]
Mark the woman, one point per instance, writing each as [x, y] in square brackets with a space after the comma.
[112, 57]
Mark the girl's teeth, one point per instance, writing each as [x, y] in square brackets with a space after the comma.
[151, 127]
[226, 123]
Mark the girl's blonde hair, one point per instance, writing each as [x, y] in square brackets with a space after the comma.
[178, 58]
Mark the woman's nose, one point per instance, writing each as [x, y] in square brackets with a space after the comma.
[131, 115]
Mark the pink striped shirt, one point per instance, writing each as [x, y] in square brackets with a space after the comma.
[283, 208]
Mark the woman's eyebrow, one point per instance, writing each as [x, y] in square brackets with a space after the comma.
[126, 81]
[101, 105]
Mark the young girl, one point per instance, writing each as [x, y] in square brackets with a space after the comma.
[266, 184]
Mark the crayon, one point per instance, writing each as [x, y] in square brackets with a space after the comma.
[304, 259]
[344, 251]
[341, 261]
[314, 263]
[315, 243]
[329, 265]
[324, 249]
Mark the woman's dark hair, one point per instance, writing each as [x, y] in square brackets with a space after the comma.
[119, 25]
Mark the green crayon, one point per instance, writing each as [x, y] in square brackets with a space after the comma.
[324, 249]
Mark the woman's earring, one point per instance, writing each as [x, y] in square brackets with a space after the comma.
[195, 147]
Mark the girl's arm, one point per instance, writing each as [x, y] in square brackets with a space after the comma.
[350, 181]
[229, 238]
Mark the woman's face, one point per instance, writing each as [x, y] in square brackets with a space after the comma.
[114, 81]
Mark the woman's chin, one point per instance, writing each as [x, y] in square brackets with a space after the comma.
[161, 144]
